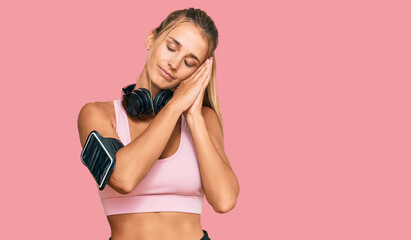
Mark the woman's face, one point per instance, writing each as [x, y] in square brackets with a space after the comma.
[179, 55]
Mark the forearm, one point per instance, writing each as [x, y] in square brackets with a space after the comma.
[135, 160]
[219, 181]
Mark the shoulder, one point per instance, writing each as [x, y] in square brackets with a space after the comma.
[99, 108]
[213, 123]
[210, 115]
[208, 112]
[95, 116]
[100, 111]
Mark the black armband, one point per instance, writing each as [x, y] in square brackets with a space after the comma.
[99, 156]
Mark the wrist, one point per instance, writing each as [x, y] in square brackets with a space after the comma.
[172, 107]
[194, 118]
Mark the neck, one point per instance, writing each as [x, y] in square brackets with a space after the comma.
[143, 81]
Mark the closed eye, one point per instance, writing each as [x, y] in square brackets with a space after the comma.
[172, 50]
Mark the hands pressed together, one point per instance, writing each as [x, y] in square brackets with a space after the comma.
[188, 96]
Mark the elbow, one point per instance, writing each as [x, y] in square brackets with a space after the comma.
[225, 206]
[121, 186]
[119, 181]
[125, 190]
[118, 186]
[226, 203]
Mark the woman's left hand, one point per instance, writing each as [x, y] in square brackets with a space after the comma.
[195, 109]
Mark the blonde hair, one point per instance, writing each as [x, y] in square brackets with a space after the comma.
[202, 20]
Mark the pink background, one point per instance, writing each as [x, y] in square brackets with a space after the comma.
[315, 97]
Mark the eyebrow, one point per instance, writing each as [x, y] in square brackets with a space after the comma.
[179, 44]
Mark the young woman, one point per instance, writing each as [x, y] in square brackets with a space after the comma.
[171, 159]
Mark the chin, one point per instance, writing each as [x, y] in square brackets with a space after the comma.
[163, 83]
[160, 83]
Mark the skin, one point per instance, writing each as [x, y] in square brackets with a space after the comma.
[173, 61]
[220, 185]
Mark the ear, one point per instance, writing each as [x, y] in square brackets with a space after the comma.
[150, 39]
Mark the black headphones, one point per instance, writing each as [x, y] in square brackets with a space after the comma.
[138, 102]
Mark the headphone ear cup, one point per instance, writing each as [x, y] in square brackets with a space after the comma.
[147, 109]
[133, 104]
[138, 101]
[162, 99]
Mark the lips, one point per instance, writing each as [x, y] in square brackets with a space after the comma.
[165, 74]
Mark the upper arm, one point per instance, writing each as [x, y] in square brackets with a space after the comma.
[92, 117]
[215, 131]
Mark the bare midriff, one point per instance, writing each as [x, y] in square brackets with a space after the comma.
[153, 225]
[156, 226]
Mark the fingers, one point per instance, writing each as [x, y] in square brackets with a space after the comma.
[200, 70]
[208, 69]
[200, 74]
[207, 79]
[203, 74]
[204, 64]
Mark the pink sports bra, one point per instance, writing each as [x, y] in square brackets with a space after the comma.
[172, 184]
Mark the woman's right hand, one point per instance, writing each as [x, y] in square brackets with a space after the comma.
[188, 90]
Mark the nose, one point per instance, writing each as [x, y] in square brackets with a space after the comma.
[173, 63]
